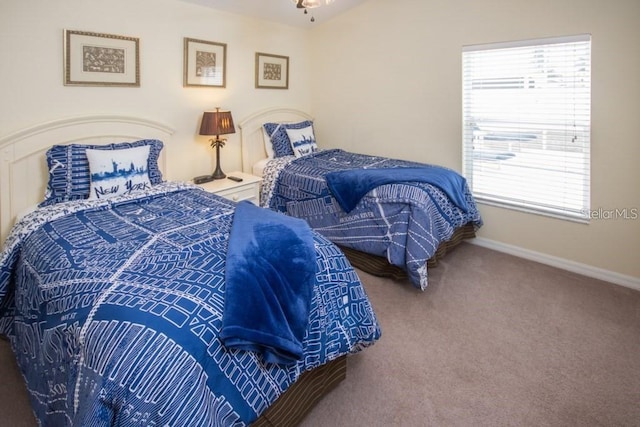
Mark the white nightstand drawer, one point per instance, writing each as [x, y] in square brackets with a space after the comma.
[248, 192]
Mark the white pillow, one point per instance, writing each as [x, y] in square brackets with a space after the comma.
[268, 146]
[303, 141]
[118, 172]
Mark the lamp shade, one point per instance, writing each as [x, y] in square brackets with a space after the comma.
[217, 123]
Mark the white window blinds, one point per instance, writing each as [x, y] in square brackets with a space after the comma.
[526, 119]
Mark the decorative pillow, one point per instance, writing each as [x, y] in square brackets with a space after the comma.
[69, 168]
[118, 172]
[303, 141]
[277, 133]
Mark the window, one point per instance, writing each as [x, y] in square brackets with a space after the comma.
[526, 124]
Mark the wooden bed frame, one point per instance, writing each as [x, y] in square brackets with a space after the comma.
[253, 142]
[23, 180]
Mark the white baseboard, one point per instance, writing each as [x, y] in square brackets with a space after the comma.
[565, 264]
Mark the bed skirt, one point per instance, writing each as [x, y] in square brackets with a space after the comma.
[295, 403]
[379, 266]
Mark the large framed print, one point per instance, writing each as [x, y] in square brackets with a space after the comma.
[95, 59]
[205, 63]
[272, 71]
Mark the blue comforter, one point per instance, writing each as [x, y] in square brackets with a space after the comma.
[404, 222]
[114, 310]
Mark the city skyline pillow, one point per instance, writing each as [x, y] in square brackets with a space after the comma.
[118, 172]
[303, 141]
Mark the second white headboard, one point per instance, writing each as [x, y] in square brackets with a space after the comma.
[251, 135]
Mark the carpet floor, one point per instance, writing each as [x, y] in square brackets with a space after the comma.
[495, 340]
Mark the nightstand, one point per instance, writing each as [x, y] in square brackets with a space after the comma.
[247, 189]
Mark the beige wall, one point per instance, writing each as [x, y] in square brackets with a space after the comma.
[384, 79]
[387, 80]
[31, 69]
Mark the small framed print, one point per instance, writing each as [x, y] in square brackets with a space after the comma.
[205, 63]
[94, 59]
[272, 71]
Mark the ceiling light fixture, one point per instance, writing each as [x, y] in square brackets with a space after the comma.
[310, 4]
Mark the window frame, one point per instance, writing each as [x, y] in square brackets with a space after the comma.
[512, 129]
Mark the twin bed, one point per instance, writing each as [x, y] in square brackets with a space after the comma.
[391, 217]
[130, 309]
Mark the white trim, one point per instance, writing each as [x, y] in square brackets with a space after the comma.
[530, 42]
[272, 111]
[75, 121]
[557, 213]
[565, 264]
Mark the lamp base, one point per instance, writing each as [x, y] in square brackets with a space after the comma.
[218, 174]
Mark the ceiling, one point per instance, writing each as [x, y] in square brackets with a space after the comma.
[281, 11]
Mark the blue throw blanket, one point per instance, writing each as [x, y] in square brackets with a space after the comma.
[270, 272]
[349, 186]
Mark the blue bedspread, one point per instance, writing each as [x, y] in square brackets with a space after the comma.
[114, 310]
[402, 222]
[270, 272]
[349, 186]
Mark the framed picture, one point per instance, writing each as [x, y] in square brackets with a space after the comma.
[205, 63]
[93, 59]
[272, 71]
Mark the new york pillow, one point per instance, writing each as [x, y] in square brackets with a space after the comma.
[277, 134]
[118, 172]
[303, 141]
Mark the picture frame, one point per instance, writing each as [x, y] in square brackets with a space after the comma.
[205, 63]
[272, 71]
[97, 59]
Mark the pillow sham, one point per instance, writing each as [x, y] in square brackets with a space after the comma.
[303, 141]
[118, 172]
[277, 133]
[69, 168]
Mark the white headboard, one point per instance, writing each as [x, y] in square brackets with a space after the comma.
[23, 166]
[251, 134]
